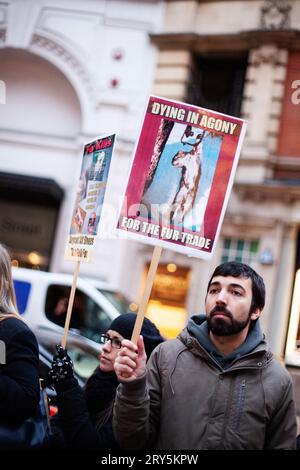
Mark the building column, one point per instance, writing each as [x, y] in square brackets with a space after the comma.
[172, 74]
[262, 102]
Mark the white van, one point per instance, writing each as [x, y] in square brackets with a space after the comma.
[42, 301]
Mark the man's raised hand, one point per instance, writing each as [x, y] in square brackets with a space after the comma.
[131, 360]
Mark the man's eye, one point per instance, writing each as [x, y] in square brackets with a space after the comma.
[237, 293]
[212, 291]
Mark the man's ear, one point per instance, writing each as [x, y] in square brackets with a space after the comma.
[256, 314]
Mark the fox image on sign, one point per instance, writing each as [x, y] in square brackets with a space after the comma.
[191, 164]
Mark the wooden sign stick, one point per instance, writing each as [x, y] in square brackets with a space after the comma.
[70, 305]
[149, 283]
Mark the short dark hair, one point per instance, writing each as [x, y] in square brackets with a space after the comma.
[236, 269]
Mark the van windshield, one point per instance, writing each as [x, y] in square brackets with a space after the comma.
[122, 304]
[87, 316]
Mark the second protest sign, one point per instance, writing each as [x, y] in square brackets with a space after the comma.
[181, 177]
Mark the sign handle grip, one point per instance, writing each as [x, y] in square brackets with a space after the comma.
[70, 305]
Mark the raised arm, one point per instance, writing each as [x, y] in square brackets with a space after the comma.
[134, 420]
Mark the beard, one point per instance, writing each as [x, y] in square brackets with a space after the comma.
[227, 325]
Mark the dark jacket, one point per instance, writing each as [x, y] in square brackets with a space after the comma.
[85, 416]
[192, 399]
[100, 392]
[19, 376]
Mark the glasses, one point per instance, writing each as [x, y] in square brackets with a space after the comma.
[115, 342]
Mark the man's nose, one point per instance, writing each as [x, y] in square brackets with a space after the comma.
[221, 298]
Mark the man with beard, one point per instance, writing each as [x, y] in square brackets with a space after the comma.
[216, 386]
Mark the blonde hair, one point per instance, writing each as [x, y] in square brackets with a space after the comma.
[8, 304]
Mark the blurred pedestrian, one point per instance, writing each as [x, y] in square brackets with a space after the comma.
[57, 307]
[217, 386]
[86, 416]
[19, 376]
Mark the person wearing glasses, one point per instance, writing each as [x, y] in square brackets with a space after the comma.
[85, 416]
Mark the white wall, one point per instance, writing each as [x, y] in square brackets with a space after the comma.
[39, 99]
[57, 59]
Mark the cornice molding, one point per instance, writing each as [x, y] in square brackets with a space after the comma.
[286, 39]
[249, 222]
[286, 194]
[43, 43]
[288, 163]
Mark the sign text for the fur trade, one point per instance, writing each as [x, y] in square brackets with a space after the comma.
[165, 233]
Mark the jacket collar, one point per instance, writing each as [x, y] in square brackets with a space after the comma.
[196, 338]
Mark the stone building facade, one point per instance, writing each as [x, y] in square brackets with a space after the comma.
[75, 70]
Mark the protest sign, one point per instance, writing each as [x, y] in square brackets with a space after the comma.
[89, 199]
[181, 177]
[87, 210]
